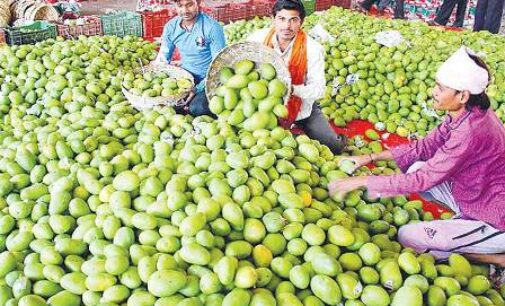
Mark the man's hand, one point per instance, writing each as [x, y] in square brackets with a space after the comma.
[359, 161]
[190, 97]
[341, 187]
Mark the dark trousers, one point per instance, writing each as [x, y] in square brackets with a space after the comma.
[488, 15]
[316, 126]
[446, 10]
[399, 11]
[198, 106]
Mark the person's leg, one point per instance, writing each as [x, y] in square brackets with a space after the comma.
[460, 13]
[445, 11]
[494, 259]
[493, 16]
[399, 9]
[480, 15]
[444, 237]
[199, 106]
[367, 4]
[441, 194]
[316, 126]
[382, 5]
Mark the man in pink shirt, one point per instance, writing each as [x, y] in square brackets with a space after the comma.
[461, 163]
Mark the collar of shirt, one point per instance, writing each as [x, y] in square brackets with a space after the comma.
[287, 52]
[455, 122]
[197, 22]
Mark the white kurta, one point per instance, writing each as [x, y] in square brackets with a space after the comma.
[315, 83]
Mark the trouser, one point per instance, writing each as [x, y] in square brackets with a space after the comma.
[198, 106]
[399, 12]
[443, 237]
[316, 126]
[488, 15]
[446, 10]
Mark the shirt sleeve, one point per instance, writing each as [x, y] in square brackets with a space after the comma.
[444, 163]
[167, 46]
[217, 40]
[315, 83]
[420, 150]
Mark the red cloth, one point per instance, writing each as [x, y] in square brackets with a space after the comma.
[297, 70]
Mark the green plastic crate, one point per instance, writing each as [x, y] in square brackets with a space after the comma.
[122, 24]
[310, 6]
[30, 34]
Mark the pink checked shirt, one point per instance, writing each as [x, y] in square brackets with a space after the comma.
[469, 153]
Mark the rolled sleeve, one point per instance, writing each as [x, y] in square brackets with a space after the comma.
[445, 162]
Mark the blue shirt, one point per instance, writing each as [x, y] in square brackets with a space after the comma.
[198, 46]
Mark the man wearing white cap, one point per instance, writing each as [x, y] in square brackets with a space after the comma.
[461, 164]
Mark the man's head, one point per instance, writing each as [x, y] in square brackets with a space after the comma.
[288, 18]
[187, 9]
[461, 82]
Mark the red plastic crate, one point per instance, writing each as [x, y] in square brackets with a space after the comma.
[92, 27]
[342, 3]
[154, 22]
[322, 5]
[2, 36]
[240, 11]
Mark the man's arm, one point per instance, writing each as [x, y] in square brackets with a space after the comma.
[167, 46]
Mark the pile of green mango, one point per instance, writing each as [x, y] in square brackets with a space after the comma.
[155, 84]
[238, 31]
[249, 97]
[101, 204]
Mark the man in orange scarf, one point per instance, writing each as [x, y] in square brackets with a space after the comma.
[305, 60]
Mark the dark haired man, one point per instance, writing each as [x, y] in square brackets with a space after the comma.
[305, 60]
[461, 164]
[199, 38]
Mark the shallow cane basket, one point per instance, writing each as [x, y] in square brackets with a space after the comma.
[175, 72]
[255, 52]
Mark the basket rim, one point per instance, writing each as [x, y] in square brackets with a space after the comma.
[153, 101]
[212, 71]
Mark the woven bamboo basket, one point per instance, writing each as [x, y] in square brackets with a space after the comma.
[5, 14]
[255, 52]
[175, 72]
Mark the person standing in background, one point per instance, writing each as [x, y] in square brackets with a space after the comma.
[445, 12]
[488, 15]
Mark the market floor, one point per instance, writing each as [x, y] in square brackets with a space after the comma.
[99, 7]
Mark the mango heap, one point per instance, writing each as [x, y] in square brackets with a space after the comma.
[155, 84]
[103, 205]
[238, 31]
[249, 98]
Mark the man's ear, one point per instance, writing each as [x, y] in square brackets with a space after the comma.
[464, 96]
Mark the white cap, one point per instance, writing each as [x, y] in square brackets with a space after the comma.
[460, 72]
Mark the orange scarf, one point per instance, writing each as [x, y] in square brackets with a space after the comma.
[297, 70]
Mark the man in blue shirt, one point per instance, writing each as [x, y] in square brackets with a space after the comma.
[199, 38]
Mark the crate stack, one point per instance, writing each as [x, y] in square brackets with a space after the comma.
[322, 5]
[87, 26]
[122, 24]
[30, 34]
[153, 22]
